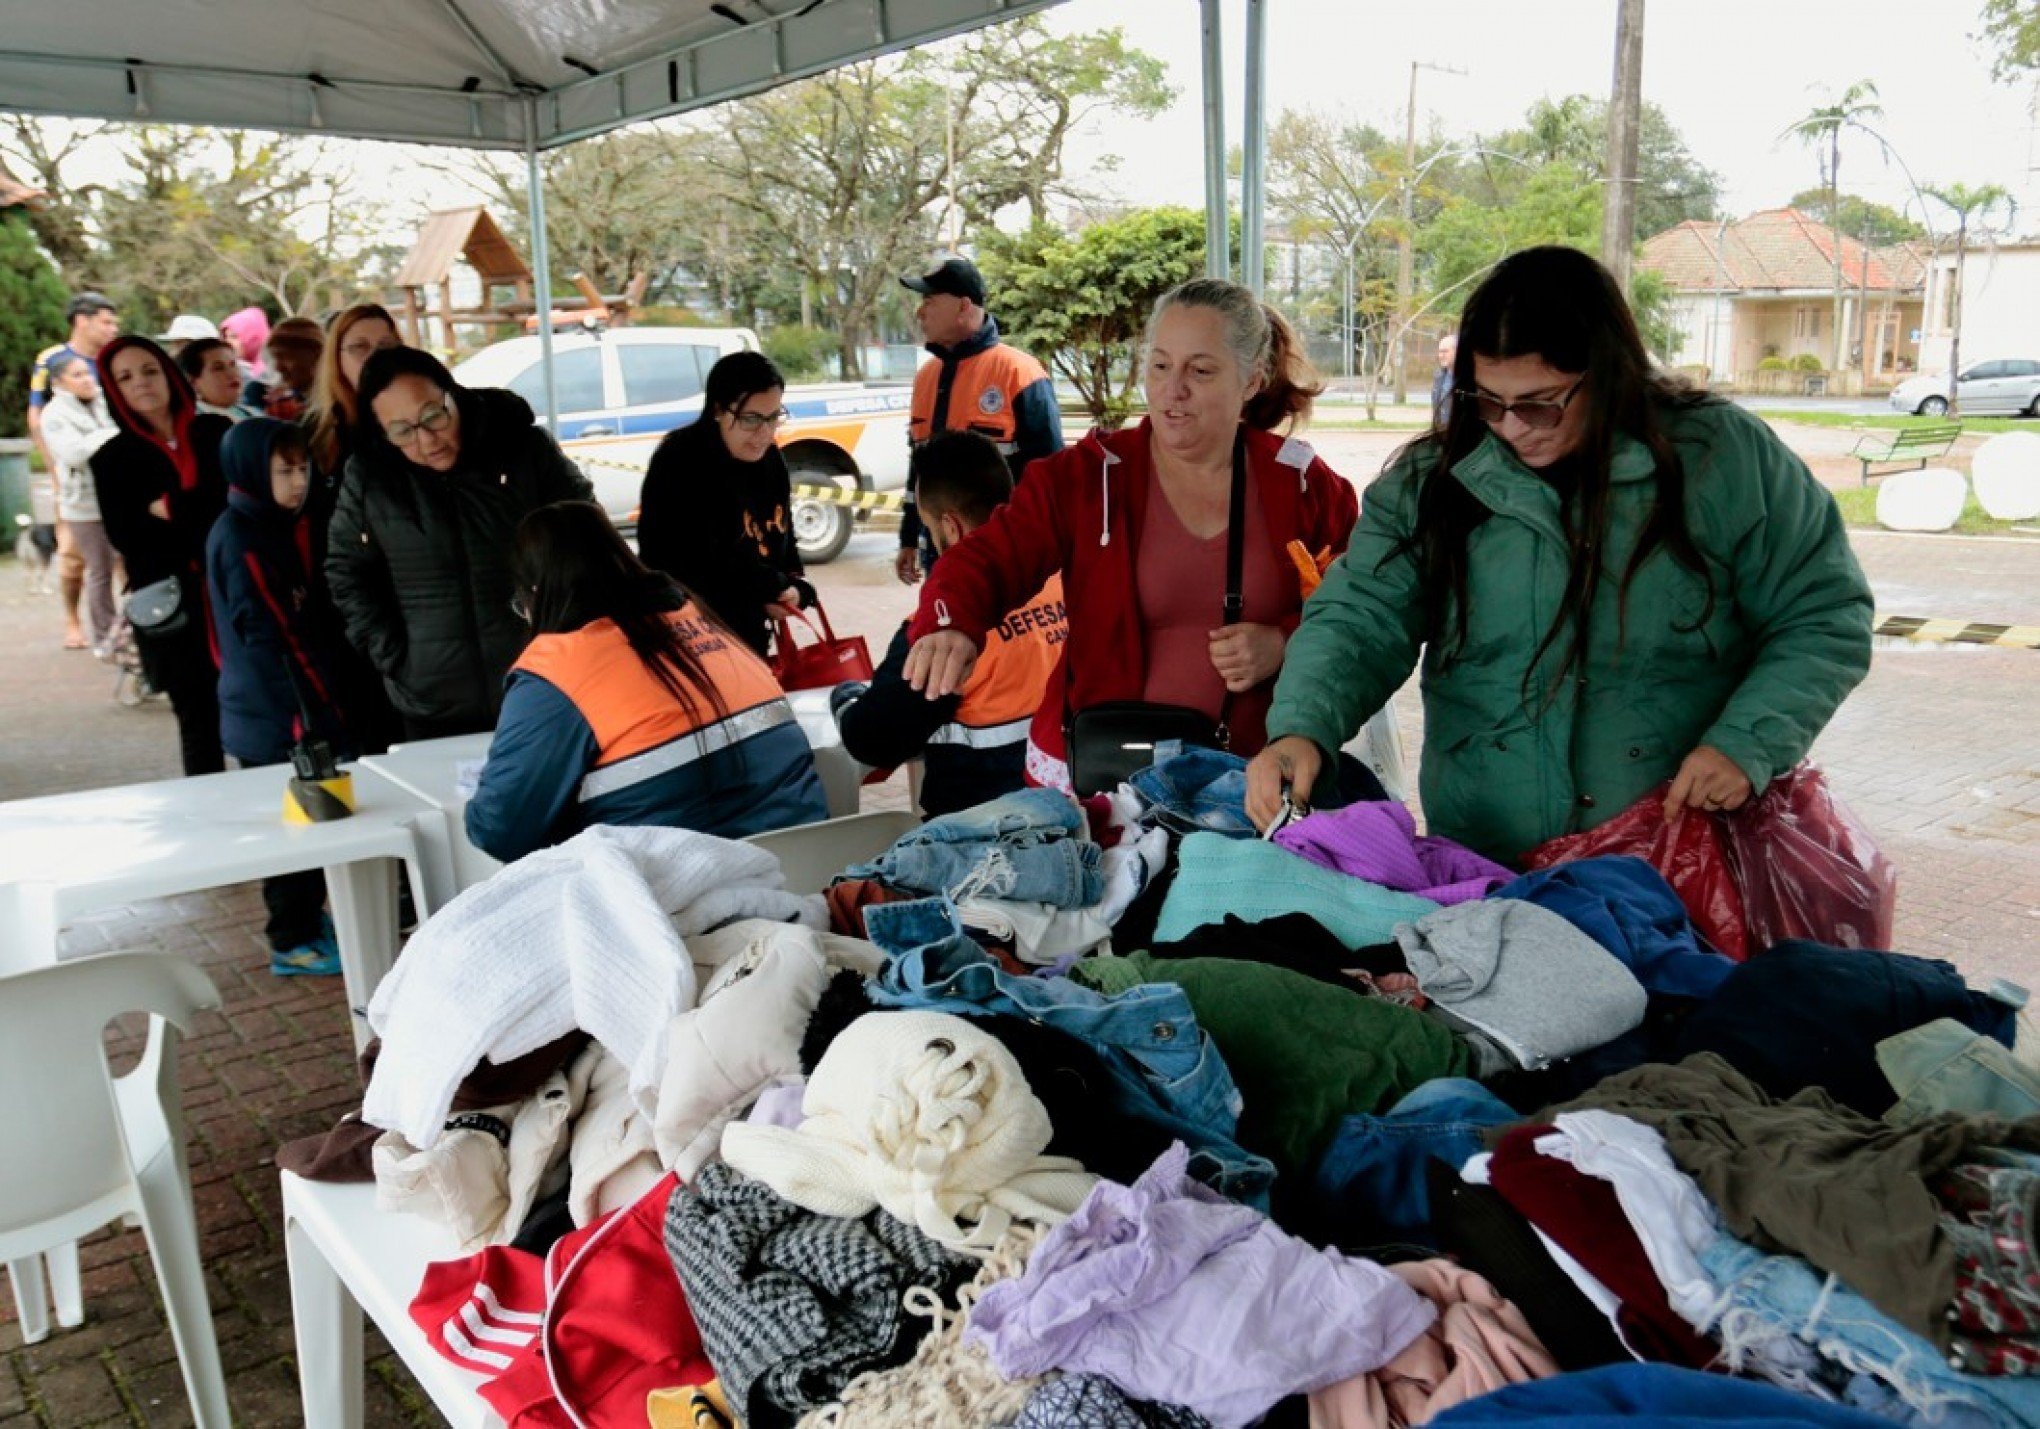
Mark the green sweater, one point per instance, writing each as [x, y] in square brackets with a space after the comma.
[1304, 1054]
[1788, 638]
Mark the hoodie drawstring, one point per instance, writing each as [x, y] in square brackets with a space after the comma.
[1105, 490]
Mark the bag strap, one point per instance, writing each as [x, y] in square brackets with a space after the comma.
[1235, 576]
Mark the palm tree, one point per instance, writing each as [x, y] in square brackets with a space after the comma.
[1973, 208]
[1821, 131]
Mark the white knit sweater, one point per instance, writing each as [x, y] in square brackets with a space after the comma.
[587, 935]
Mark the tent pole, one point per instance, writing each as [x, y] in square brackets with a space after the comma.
[1254, 150]
[1217, 225]
[541, 262]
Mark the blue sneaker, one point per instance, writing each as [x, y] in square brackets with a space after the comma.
[314, 959]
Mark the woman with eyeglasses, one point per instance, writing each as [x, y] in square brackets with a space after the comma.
[1612, 580]
[715, 513]
[419, 550]
[631, 705]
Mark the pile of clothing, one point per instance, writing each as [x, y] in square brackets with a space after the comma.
[1056, 1114]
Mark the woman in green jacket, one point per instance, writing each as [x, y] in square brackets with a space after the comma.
[1613, 581]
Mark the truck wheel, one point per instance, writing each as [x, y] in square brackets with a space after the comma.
[820, 529]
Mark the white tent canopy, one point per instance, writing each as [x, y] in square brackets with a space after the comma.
[485, 74]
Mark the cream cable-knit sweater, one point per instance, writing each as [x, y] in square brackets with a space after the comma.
[587, 935]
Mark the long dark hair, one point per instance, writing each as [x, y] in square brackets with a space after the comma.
[1560, 305]
[573, 568]
[183, 400]
[736, 378]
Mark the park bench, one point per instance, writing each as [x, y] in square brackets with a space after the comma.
[1905, 447]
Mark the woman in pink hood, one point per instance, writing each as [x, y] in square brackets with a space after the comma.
[248, 330]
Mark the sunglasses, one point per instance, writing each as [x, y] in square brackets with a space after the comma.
[1539, 416]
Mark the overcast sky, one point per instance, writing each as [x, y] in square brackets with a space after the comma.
[1731, 74]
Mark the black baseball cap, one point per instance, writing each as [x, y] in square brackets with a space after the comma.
[84, 305]
[957, 277]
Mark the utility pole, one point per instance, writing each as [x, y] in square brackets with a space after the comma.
[1625, 125]
[1406, 256]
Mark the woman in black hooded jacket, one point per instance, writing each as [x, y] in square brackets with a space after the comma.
[160, 490]
[419, 551]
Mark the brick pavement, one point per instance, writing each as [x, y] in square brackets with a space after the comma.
[1936, 752]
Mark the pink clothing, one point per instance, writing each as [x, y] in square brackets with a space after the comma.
[1181, 589]
[1378, 842]
[1479, 1343]
[248, 331]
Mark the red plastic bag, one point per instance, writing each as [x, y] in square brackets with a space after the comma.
[1691, 854]
[1808, 868]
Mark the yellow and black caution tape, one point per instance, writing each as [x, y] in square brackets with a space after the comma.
[802, 490]
[1959, 632]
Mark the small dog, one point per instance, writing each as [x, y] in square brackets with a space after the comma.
[36, 549]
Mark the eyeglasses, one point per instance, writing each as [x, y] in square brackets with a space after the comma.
[758, 421]
[365, 347]
[434, 418]
[1539, 416]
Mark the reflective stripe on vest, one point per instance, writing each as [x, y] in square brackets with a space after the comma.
[687, 749]
[997, 736]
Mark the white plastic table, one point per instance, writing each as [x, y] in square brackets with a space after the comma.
[68, 854]
[347, 1258]
[429, 770]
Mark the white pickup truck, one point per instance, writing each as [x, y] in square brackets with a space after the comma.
[620, 390]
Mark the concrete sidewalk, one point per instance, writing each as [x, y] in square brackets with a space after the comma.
[1937, 753]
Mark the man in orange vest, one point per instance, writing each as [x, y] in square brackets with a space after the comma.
[976, 384]
[974, 743]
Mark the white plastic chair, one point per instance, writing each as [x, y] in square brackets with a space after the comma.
[82, 1148]
[813, 854]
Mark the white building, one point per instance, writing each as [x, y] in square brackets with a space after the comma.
[2000, 304]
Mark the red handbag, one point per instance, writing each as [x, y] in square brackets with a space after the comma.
[823, 665]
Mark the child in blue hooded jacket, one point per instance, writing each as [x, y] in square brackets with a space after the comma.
[278, 643]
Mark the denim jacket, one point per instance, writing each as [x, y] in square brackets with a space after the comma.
[1028, 846]
[1168, 1071]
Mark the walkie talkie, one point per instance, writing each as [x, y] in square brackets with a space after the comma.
[319, 793]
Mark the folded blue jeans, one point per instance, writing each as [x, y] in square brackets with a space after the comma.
[1189, 789]
[1374, 1169]
[1026, 846]
[1166, 1069]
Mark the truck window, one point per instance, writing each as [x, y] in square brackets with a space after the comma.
[660, 372]
[577, 382]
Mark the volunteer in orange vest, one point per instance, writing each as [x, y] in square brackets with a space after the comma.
[631, 705]
[976, 384]
[974, 742]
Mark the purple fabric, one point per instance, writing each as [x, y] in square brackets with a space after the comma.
[1378, 842]
[1180, 1296]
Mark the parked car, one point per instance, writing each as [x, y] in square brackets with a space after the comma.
[620, 390]
[2009, 384]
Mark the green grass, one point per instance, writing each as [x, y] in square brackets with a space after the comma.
[1897, 422]
[1859, 508]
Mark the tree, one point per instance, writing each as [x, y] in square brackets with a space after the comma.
[1973, 209]
[1873, 223]
[1671, 185]
[1821, 131]
[43, 150]
[31, 310]
[1334, 181]
[1080, 303]
[2012, 28]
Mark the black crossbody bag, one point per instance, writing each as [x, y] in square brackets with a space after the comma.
[1107, 742]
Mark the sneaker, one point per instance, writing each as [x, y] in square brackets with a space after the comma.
[315, 959]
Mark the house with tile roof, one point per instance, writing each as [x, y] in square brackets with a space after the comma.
[1763, 286]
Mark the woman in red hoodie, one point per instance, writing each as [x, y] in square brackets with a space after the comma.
[160, 490]
[1137, 521]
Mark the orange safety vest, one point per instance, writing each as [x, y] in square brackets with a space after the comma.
[1005, 689]
[640, 729]
[981, 396]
